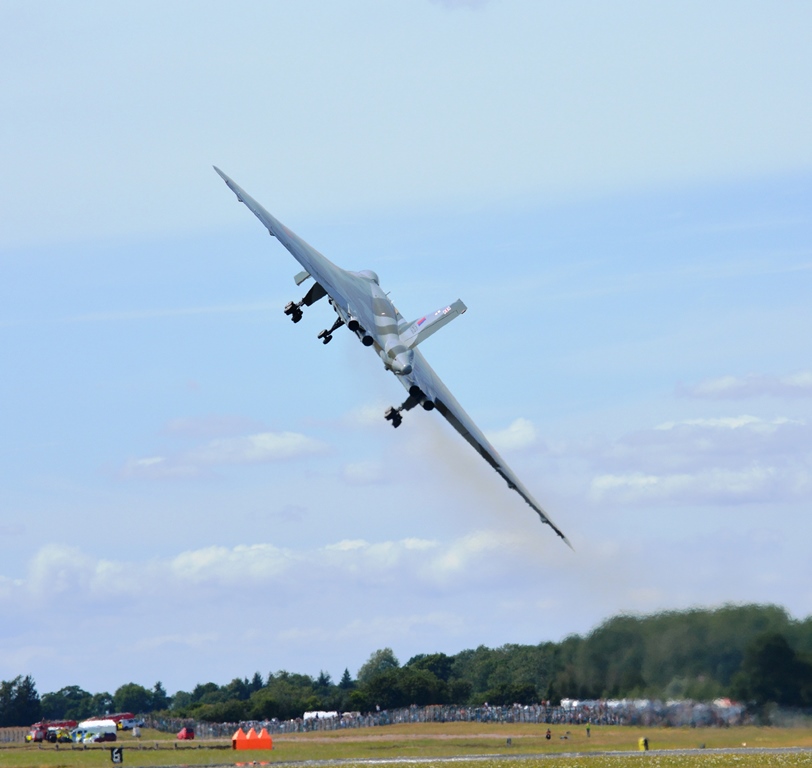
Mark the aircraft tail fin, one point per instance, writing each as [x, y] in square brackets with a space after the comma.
[422, 328]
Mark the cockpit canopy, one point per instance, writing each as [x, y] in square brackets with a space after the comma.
[370, 275]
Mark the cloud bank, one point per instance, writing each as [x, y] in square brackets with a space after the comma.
[753, 385]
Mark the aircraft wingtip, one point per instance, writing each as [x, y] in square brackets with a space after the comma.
[546, 520]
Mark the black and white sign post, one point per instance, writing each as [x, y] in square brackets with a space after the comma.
[117, 755]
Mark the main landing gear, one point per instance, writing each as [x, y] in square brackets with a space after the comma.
[326, 335]
[294, 308]
[416, 397]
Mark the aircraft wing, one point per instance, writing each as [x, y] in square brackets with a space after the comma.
[432, 386]
[341, 287]
[320, 268]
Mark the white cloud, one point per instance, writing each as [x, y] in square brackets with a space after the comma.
[347, 545]
[709, 460]
[265, 446]
[249, 449]
[754, 423]
[303, 610]
[158, 468]
[243, 564]
[751, 484]
[60, 569]
[520, 434]
[481, 548]
[753, 385]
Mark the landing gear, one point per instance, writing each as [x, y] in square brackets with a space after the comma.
[393, 415]
[416, 397]
[326, 335]
[294, 308]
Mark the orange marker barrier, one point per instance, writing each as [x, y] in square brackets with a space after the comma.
[252, 739]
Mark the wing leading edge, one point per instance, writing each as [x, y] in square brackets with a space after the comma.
[317, 266]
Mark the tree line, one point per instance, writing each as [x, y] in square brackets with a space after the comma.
[752, 653]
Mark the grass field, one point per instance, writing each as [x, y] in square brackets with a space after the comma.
[484, 746]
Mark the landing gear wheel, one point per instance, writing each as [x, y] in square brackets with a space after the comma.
[416, 397]
[292, 309]
[394, 416]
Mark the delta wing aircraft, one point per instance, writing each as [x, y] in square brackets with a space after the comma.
[361, 305]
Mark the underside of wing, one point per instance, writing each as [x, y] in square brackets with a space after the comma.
[317, 266]
[430, 384]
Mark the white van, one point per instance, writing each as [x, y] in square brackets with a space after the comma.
[94, 730]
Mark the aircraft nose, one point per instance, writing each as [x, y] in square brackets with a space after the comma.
[402, 364]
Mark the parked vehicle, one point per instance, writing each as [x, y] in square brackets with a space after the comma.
[186, 734]
[58, 735]
[94, 731]
[42, 731]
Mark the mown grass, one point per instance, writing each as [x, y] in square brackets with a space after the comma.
[569, 746]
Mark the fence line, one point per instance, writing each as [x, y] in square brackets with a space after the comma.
[12, 735]
[612, 712]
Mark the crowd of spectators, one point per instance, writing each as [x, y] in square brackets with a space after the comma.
[643, 712]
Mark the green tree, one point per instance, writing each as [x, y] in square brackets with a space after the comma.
[159, 698]
[772, 672]
[69, 703]
[256, 682]
[380, 661]
[237, 689]
[231, 711]
[132, 697]
[512, 693]
[101, 703]
[181, 701]
[201, 690]
[346, 681]
[286, 696]
[438, 664]
[381, 691]
[421, 687]
[19, 702]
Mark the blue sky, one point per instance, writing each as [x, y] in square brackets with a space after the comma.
[196, 488]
